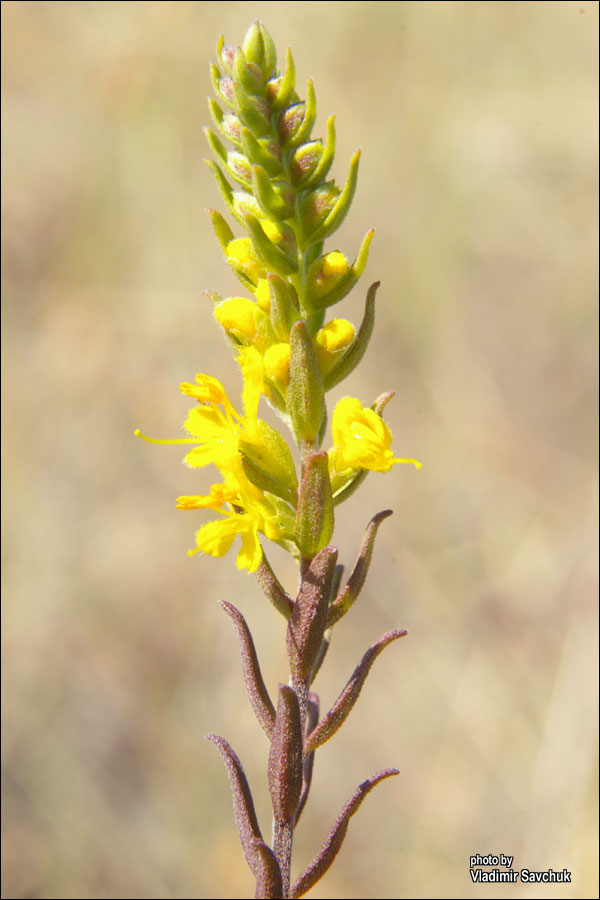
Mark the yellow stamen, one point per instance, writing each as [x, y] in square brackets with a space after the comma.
[150, 440]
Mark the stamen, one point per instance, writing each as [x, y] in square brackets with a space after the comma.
[150, 440]
[414, 462]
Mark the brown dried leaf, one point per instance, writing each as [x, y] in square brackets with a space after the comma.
[342, 604]
[307, 623]
[342, 707]
[255, 686]
[285, 757]
[332, 845]
[268, 874]
[312, 718]
[272, 589]
[243, 805]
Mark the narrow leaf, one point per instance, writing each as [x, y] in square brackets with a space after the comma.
[243, 805]
[222, 230]
[265, 481]
[252, 111]
[268, 873]
[314, 514]
[274, 258]
[350, 486]
[284, 306]
[306, 401]
[355, 352]
[345, 284]
[342, 204]
[342, 707]
[224, 187]
[326, 160]
[310, 113]
[285, 757]
[273, 203]
[250, 79]
[255, 685]
[312, 718]
[321, 655]
[344, 601]
[261, 152]
[309, 615]
[272, 588]
[332, 845]
[286, 85]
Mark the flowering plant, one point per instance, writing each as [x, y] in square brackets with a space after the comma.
[292, 355]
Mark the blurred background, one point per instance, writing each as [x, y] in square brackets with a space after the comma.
[478, 122]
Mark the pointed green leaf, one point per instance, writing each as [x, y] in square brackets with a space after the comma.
[310, 112]
[355, 352]
[263, 152]
[275, 259]
[274, 202]
[314, 515]
[285, 88]
[284, 306]
[253, 111]
[224, 187]
[342, 205]
[249, 76]
[306, 402]
[222, 230]
[345, 284]
[320, 173]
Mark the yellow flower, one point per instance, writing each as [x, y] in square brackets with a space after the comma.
[361, 439]
[327, 272]
[263, 295]
[248, 512]
[331, 340]
[215, 425]
[277, 364]
[217, 430]
[242, 257]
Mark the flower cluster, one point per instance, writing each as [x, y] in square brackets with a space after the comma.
[286, 350]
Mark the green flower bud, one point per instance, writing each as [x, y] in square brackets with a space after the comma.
[315, 207]
[249, 75]
[304, 161]
[259, 49]
[324, 274]
[254, 112]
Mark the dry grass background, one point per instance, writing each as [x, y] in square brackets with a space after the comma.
[478, 124]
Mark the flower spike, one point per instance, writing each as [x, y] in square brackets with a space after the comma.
[280, 207]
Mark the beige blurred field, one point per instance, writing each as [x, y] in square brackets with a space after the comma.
[478, 122]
